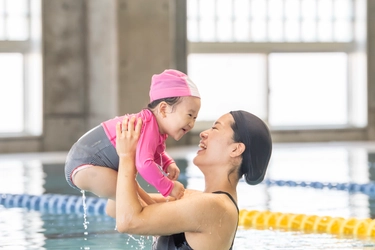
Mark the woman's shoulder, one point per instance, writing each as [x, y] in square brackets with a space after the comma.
[192, 192]
[207, 200]
[215, 211]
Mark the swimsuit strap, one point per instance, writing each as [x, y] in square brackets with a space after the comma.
[230, 197]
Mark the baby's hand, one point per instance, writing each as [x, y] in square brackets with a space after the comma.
[178, 190]
[173, 172]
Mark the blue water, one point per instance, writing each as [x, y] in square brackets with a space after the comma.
[22, 228]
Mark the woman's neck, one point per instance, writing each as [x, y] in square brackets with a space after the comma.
[222, 182]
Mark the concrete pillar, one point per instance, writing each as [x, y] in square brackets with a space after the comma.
[148, 34]
[145, 48]
[371, 68]
[99, 58]
[102, 61]
[65, 98]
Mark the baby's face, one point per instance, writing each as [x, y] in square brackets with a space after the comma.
[181, 117]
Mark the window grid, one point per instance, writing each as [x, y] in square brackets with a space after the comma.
[15, 18]
[322, 35]
[21, 37]
[296, 20]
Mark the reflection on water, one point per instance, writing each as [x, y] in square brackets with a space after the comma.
[327, 163]
[21, 229]
[275, 239]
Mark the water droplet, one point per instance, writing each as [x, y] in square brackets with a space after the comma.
[85, 222]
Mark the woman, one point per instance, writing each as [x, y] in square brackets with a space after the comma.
[238, 144]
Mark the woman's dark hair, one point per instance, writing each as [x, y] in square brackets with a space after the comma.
[254, 134]
[169, 100]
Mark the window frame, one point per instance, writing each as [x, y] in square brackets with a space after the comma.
[31, 49]
[299, 133]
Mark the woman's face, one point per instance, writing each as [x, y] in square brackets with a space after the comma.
[216, 143]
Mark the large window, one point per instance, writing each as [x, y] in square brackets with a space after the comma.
[20, 67]
[295, 63]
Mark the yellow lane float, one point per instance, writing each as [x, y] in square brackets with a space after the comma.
[360, 228]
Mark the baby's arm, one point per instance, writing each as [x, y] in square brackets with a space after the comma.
[151, 148]
[173, 172]
[178, 189]
[148, 144]
[150, 198]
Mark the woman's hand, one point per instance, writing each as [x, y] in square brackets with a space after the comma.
[127, 135]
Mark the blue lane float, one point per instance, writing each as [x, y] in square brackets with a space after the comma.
[73, 204]
[366, 188]
[55, 203]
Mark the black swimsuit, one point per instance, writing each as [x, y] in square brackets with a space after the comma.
[178, 241]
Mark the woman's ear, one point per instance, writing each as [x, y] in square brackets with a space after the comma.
[238, 149]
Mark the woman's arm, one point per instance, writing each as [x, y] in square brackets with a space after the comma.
[146, 199]
[127, 203]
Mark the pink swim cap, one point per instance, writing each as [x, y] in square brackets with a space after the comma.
[171, 83]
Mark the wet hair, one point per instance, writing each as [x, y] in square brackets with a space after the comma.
[254, 134]
[169, 100]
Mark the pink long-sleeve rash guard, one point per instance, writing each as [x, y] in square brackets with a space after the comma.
[150, 150]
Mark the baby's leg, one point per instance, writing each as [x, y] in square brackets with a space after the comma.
[92, 163]
[98, 180]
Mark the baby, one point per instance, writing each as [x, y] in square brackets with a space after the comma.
[92, 162]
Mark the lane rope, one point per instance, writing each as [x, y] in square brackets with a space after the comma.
[267, 220]
[55, 203]
[365, 188]
[358, 228]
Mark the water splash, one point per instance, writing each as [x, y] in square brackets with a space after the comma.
[85, 221]
[140, 242]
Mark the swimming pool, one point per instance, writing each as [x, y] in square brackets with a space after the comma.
[302, 179]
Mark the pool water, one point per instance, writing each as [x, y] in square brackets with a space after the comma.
[33, 230]
[38, 174]
[22, 229]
